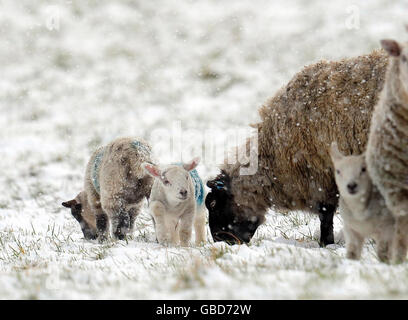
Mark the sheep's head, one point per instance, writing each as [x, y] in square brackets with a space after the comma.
[398, 51]
[75, 206]
[352, 178]
[175, 179]
[228, 221]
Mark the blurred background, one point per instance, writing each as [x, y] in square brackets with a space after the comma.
[77, 74]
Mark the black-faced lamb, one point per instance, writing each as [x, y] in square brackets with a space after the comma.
[325, 102]
[176, 203]
[115, 185]
[362, 207]
[81, 211]
[387, 149]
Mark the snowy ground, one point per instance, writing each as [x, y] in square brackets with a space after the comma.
[77, 74]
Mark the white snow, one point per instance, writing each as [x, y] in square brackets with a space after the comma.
[77, 74]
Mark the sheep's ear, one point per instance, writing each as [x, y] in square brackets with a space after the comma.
[335, 152]
[151, 169]
[391, 46]
[192, 164]
[70, 203]
[211, 184]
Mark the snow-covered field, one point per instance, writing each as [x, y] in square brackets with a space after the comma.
[77, 74]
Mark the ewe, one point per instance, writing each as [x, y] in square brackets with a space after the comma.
[325, 102]
[387, 148]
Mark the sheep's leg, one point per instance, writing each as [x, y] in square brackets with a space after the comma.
[186, 228]
[199, 226]
[354, 243]
[134, 210]
[400, 241]
[102, 225]
[326, 213]
[383, 239]
[176, 235]
[126, 220]
[158, 212]
[118, 215]
[383, 246]
[121, 224]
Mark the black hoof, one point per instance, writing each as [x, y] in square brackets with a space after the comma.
[119, 235]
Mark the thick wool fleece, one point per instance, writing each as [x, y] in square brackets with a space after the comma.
[325, 102]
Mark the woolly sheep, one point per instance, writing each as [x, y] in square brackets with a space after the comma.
[325, 102]
[176, 202]
[362, 207]
[115, 185]
[387, 149]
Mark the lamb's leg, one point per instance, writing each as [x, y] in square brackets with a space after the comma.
[186, 228]
[119, 217]
[176, 235]
[384, 239]
[326, 213]
[199, 226]
[163, 232]
[400, 241]
[102, 225]
[383, 246]
[121, 224]
[134, 210]
[102, 219]
[354, 243]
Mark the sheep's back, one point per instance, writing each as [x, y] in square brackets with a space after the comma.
[121, 172]
[325, 102]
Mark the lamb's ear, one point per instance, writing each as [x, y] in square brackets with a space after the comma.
[151, 169]
[70, 203]
[335, 152]
[391, 46]
[192, 164]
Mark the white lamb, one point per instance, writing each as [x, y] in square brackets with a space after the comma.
[176, 202]
[362, 207]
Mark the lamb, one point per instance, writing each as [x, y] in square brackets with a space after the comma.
[176, 201]
[81, 211]
[325, 102]
[115, 185]
[362, 206]
[387, 149]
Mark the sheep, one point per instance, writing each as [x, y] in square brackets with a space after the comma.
[325, 102]
[115, 185]
[82, 212]
[362, 206]
[387, 149]
[176, 201]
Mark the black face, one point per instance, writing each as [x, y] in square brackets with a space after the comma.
[225, 217]
[76, 209]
